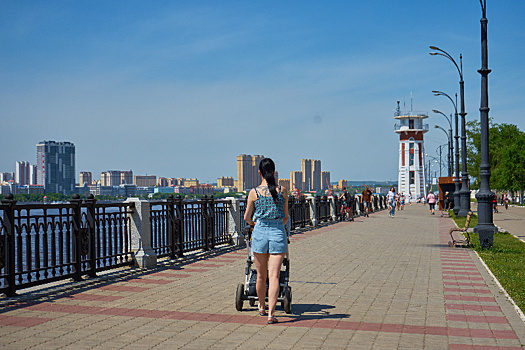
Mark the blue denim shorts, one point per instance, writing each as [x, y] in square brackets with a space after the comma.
[269, 236]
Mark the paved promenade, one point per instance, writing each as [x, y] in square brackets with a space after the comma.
[512, 220]
[376, 283]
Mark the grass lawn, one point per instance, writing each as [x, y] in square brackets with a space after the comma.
[506, 260]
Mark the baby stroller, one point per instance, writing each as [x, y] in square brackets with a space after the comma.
[247, 291]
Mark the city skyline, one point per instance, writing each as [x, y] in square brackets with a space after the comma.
[180, 89]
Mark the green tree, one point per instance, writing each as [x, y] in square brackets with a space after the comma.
[506, 155]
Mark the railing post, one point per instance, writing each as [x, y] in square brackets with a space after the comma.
[90, 223]
[7, 245]
[234, 222]
[170, 226]
[291, 212]
[211, 221]
[314, 210]
[204, 222]
[333, 210]
[77, 237]
[179, 224]
[144, 255]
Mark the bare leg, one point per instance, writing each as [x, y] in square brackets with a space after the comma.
[261, 264]
[274, 270]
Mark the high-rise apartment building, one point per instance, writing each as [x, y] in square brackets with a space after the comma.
[162, 182]
[296, 180]
[285, 183]
[145, 180]
[306, 170]
[342, 183]
[110, 178]
[22, 173]
[33, 175]
[316, 175]
[6, 176]
[325, 180]
[247, 171]
[225, 182]
[56, 166]
[85, 177]
[126, 177]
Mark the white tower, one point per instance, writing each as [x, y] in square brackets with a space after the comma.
[411, 178]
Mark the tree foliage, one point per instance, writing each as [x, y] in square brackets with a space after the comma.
[506, 155]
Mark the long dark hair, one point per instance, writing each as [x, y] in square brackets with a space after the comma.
[267, 169]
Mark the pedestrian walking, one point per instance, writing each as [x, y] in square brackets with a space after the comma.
[366, 196]
[391, 198]
[402, 201]
[431, 199]
[347, 206]
[506, 201]
[269, 239]
[446, 201]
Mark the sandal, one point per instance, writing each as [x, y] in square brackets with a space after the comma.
[272, 320]
[262, 312]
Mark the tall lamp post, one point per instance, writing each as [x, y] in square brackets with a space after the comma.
[464, 193]
[457, 201]
[450, 145]
[449, 138]
[485, 227]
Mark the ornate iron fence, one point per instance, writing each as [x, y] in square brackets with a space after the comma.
[42, 243]
[178, 226]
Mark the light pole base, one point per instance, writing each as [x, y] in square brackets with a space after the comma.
[486, 234]
[465, 203]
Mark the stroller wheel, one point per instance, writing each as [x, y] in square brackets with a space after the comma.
[239, 296]
[252, 302]
[287, 302]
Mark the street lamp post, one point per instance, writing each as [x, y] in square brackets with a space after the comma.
[464, 193]
[485, 227]
[457, 180]
[449, 138]
[450, 145]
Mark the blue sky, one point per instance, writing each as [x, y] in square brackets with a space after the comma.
[180, 88]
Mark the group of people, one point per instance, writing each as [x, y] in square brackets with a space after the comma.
[348, 200]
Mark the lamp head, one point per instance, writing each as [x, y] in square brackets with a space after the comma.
[435, 111]
[435, 126]
[433, 48]
[433, 53]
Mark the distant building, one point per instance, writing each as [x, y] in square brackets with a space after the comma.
[285, 183]
[30, 189]
[85, 177]
[225, 182]
[126, 177]
[296, 180]
[247, 171]
[163, 190]
[342, 183]
[145, 180]
[22, 173]
[306, 171]
[33, 175]
[56, 166]
[325, 180]
[6, 176]
[191, 182]
[162, 182]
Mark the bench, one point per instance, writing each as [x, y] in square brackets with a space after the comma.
[461, 242]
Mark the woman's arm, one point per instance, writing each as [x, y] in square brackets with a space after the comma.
[249, 208]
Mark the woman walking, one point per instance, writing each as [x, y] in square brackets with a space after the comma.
[431, 200]
[391, 197]
[269, 240]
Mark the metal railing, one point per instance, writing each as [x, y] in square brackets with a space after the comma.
[179, 226]
[42, 243]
